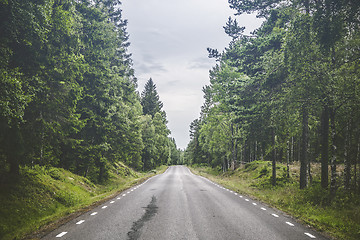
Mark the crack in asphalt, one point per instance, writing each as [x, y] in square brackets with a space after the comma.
[151, 210]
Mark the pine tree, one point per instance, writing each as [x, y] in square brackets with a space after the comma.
[150, 100]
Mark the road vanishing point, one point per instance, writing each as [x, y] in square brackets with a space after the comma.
[180, 205]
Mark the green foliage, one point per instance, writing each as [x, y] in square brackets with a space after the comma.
[264, 171]
[68, 92]
[68, 100]
[158, 149]
[150, 99]
[36, 196]
[286, 93]
[42, 194]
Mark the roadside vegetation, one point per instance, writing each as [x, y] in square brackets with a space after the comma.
[68, 92]
[287, 95]
[70, 112]
[42, 197]
[336, 216]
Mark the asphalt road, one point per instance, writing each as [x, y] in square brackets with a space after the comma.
[181, 205]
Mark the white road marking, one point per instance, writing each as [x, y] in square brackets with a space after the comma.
[128, 192]
[80, 222]
[275, 215]
[247, 200]
[132, 190]
[104, 207]
[240, 196]
[254, 204]
[61, 234]
[289, 223]
[93, 214]
[309, 235]
[235, 194]
[263, 209]
[118, 198]
[124, 195]
[112, 201]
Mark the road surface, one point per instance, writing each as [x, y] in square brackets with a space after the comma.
[180, 205]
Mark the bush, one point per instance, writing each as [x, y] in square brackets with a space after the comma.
[264, 171]
[316, 195]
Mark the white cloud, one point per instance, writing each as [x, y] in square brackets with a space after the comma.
[168, 43]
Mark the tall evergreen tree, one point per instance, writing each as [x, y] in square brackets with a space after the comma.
[150, 100]
[300, 72]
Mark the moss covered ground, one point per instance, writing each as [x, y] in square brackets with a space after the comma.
[41, 197]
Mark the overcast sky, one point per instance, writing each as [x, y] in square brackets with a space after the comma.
[168, 43]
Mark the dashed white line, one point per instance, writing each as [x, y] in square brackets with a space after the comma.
[262, 208]
[104, 207]
[61, 234]
[310, 235]
[118, 198]
[124, 195]
[93, 214]
[128, 192]
[112, 201]
[80, 222]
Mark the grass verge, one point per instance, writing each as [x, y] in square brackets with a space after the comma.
[336, 216]
[44, 197]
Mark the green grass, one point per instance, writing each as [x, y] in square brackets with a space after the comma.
[43, 195]
[337, 216]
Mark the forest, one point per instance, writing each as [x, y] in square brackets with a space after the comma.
[281, 111]
[288, 92]
[68, 95]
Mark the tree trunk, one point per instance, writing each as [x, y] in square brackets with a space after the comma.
[304, 147]
[235, 154]
[101, 172]
[325, 147]
[298, 155]
[224, 163]
[255, 151]
[347, 161]
[14, 165]
[333, 154]
[357, 179]
[288, 159]
[309, 171]
[250, 151]
[273, 159]
[14, 149]
[292, 158]
[233, 146]
[42, 137]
